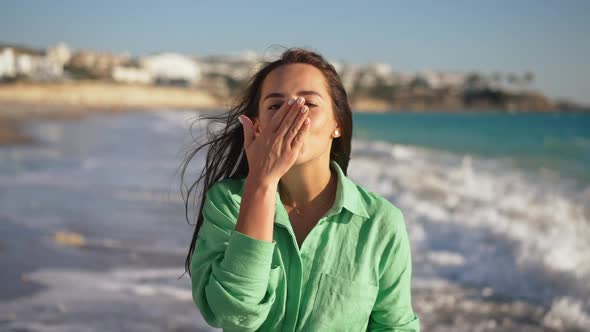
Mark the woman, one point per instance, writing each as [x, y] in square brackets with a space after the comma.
[285, 241]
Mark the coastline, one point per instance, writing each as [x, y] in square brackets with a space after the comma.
[76, 99]
[105, 95]
[111, 96]
[73, 100]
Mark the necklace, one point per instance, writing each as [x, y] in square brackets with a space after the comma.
[294, 205]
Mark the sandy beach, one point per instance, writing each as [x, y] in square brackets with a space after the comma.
[75, 100]
[105, 95]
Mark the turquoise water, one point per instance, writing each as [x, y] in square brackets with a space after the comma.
[534, 141]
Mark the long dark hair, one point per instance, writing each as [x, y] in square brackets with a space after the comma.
[226, 157]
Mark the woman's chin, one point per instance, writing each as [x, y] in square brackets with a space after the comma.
[301, 158]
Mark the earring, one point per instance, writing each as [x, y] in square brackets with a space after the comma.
[336, 133]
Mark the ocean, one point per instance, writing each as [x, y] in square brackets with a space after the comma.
[558, 143]
[497, 206]
[495, 201]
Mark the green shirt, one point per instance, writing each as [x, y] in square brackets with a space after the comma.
[352, 272]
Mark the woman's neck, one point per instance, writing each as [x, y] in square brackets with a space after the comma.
[309, 183]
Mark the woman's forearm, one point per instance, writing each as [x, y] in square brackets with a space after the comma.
[257, 208]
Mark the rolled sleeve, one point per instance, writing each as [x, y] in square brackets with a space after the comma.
[247, 256]
[231, 282]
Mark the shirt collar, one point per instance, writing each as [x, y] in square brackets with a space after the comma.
[347, 196]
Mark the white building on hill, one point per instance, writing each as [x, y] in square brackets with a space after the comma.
[34, 64]
[172, 68]
[7, 63]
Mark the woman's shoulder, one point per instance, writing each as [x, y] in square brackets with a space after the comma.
[382, 211]
[228, 185]
[386, 220]
[222, 202]
[225, 191]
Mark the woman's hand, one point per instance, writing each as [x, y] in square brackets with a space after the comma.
[273, 151]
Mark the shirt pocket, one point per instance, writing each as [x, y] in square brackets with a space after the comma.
[341, 304]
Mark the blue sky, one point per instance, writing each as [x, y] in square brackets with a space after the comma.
[549, 38]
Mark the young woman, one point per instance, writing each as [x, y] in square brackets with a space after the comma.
[285, 241]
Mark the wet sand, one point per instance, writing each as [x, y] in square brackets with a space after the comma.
[11, 133]
[14, 114]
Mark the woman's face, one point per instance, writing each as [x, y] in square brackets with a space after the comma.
[291, 81]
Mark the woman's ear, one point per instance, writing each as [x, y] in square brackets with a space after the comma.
[256, 126]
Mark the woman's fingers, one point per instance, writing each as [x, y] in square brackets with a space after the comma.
[248, 128]
[291, 117]
[296, 126]
[303, 130]
[277, 118]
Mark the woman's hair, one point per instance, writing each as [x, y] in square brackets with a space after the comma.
[226, 157]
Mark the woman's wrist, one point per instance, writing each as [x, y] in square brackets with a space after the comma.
[261, 181]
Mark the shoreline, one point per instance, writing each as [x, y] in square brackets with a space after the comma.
[15, 113]
[111, 96]
[24, 101]
[105, 95]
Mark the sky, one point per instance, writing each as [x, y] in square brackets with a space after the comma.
[549, 38]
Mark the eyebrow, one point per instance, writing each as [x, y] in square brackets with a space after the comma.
[300, 93]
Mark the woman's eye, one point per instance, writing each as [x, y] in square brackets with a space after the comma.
[276, 106]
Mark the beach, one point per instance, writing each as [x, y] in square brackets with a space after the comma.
[94, 236]
[105, 95]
